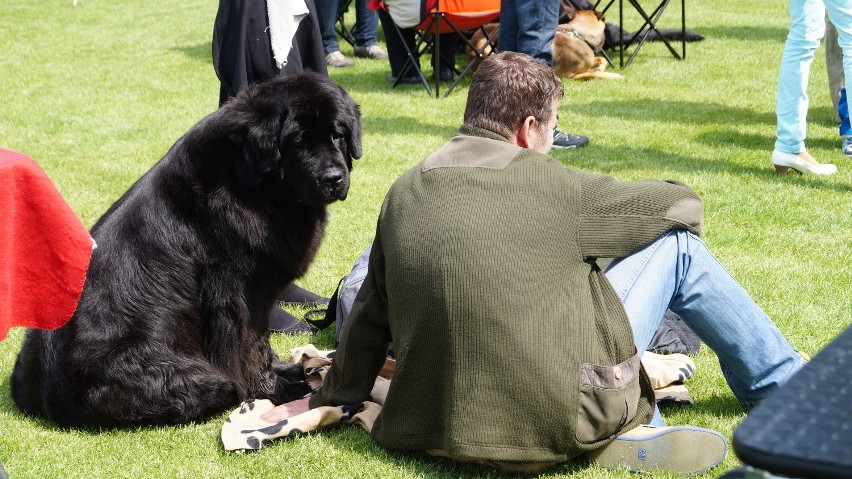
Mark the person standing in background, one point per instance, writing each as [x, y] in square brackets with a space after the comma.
[807, 28]
[253, 41]
[364, 33]
[528, 26]
[248, 48]
[837, 86]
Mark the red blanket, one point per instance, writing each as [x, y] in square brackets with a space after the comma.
[44, 248]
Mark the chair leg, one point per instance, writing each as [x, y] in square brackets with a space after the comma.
[479, 54]
[342, 30]
[651, 24]
[410, 62]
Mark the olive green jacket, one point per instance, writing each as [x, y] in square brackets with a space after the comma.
[511, 344]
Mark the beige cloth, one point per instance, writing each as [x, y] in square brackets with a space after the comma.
[245, 430]
[666, 369]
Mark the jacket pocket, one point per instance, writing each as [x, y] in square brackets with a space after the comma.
[609, 396]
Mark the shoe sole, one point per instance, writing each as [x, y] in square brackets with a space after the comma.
[370, 57]
[683, 449]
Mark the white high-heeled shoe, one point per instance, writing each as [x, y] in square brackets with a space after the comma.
[783, 161]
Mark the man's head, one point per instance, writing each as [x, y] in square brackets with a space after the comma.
[511, 93]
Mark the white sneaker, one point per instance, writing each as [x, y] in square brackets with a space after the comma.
[373, 51]
[337, 60]
[847, 146]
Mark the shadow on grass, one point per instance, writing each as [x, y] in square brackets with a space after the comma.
[720, 406]
[202, 52]
[400, 125]
[674, 111]
[421, 464]
[376, 82]
[761, 143]
[746, 32]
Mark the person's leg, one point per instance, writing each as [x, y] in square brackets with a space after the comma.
[807, 27]
[327, 15]
[843, 113]
[366, 22]
[507, 39]
[295, 294]
[833, 64]
[397, 55]
[840, 15]
[678, 272]
[537, 21]
[448, 48]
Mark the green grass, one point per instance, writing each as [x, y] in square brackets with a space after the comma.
[98, 93]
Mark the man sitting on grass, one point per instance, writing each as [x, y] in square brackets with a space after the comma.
[517, 344]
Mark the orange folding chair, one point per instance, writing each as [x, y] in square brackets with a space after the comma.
[461, 17]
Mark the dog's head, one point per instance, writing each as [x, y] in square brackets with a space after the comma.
[303, 130]
[569, 11]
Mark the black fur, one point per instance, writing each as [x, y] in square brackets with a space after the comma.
[172, 325]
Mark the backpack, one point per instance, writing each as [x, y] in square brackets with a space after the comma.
[340, 303]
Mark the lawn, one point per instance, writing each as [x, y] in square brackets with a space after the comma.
[98, 92]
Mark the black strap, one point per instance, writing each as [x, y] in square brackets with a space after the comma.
[329, 314]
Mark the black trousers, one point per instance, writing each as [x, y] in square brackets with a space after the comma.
[396, 51]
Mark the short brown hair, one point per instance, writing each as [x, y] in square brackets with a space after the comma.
[506, 89]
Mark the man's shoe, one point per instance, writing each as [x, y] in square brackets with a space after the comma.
[337, 60]
[567, 140]
[410, 80]
[847, 146]
[373, 51]
[682, 449]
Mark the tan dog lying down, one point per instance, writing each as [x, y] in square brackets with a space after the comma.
[574, 46]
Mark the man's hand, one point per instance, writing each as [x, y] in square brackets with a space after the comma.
[283, 411]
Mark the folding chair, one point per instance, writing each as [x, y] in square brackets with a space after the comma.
[461, 17]
[340, 24]
[650, 24]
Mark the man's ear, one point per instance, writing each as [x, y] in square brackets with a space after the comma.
[523, 137]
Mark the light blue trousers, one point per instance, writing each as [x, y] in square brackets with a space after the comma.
[678, 272]
[807, 27]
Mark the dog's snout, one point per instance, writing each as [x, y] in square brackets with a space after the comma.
[332, 178]
[335, 182]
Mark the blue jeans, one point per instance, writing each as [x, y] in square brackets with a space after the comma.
[678, 272]
[807, 27]
[843, 113]
[528, 26]
[364, 32]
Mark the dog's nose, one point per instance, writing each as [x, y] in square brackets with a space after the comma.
[332, 179]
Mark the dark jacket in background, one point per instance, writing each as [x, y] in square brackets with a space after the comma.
[242, 50]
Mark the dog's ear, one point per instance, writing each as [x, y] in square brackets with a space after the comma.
[260, 140]
[353, 137]
[600, 15]
[353, 140]
[569, 10]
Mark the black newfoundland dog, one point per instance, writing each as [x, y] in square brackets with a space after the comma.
[172, 324]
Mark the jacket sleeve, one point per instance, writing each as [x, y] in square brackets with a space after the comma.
[617, 218]
[363, 347]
